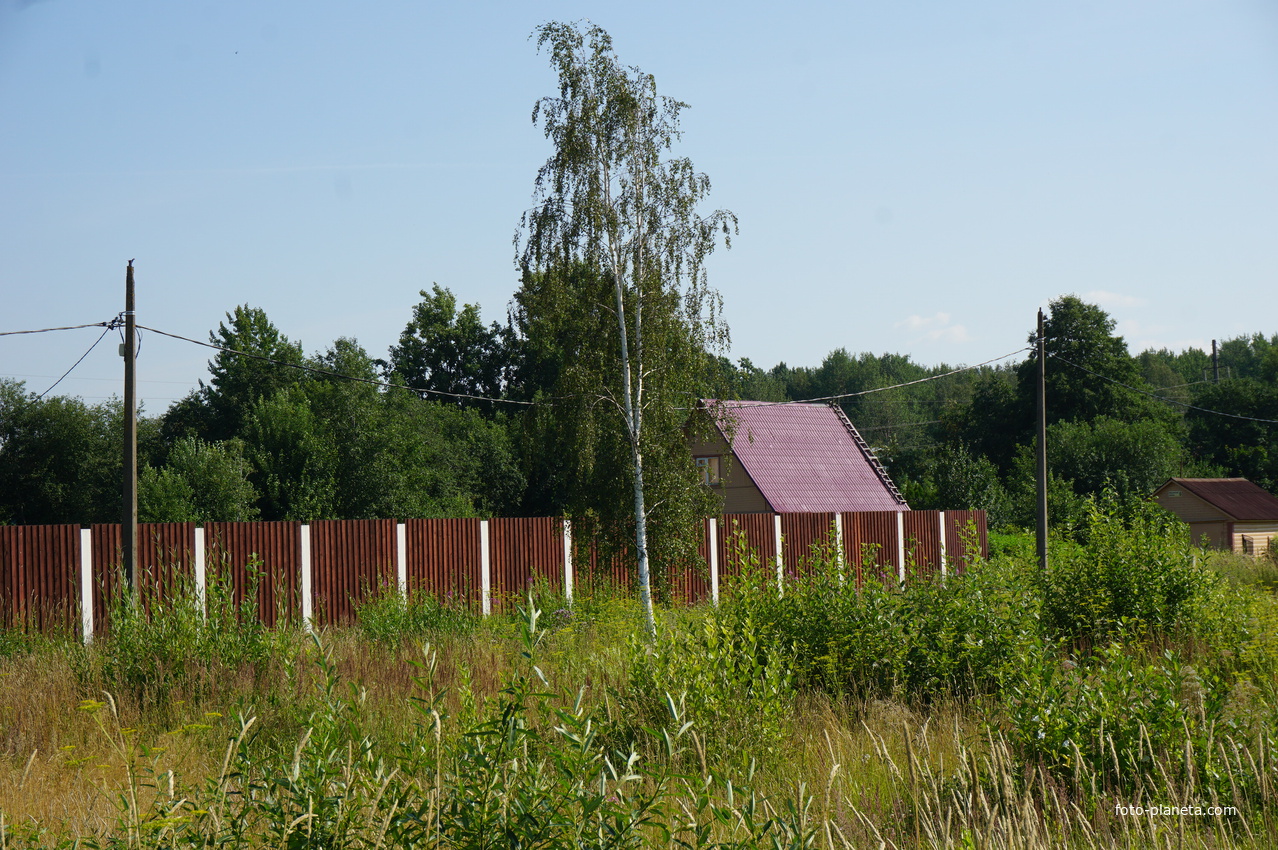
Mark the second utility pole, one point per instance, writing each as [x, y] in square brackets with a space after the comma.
[129, 525]
[1042, 447]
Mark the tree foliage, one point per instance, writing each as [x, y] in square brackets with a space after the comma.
[60, 459]
[200, 482]
[1246, 443]
[328, 443]
[450, 351]
[239, 380]
[616, 224]
[1089, 370]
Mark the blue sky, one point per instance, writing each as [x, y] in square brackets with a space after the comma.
[914, 177]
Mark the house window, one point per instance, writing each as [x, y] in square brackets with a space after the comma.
[708, 469]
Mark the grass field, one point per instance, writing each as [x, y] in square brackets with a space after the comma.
[1001, 708]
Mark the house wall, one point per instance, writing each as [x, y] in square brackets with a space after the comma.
[1258, 536]
[736, 489]
[1188, 507]
[1216, 533]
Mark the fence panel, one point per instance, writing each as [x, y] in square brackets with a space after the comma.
[443, 559]
[596, 572]
[40, 565]
[165, 565]
[261, 556]
[522, 552]
[40, 577]
[922, 542]
[744, 540]
[799, 534]
[870, 540]
[351, 560]
[690, 584]
[966, 538]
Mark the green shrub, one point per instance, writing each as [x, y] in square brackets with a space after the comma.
[1119, 721]
[720, 675]
[179, 642]
[392, 618]
[531, 770]
[931, 637]
[1136, 574]
[1113, 714]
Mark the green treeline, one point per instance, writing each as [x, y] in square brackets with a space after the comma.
[261, 439]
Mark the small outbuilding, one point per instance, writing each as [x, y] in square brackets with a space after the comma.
[768, 457]
[1229, 513]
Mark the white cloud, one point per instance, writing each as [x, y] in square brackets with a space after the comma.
[915, 323]
[1142, 336]
[1113, 299]
[936, 328]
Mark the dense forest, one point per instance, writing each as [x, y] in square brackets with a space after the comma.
[458, 419]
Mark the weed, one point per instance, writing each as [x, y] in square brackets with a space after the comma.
[392, 618]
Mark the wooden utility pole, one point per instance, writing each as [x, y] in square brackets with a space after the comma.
[129, 524]
[1215, 364]
[1042, 447]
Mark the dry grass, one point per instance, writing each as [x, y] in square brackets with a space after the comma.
[1246, 570]
[870, 773]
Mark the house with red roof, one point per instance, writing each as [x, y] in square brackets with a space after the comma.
[768, 457]
[1229, 513]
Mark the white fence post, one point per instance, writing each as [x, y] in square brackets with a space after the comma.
[776, 535]
[308, 607]
[201, 571]
[401, 559]
[568, 560]
[714, 559]
[941, 523]
[900, 546]
[485, 576]
[86, 584]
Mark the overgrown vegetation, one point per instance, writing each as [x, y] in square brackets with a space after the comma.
[965, 710]
[1002, 707]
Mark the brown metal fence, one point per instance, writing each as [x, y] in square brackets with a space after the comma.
[165, 565]
[351, 561]
[690, 585]
[966, 538]
[443, 558]
[40, 577]
[870, 541]
[525, 552]
[258, 565]
[922, 542]
[746, 541]
[805, 538]
[601, 573]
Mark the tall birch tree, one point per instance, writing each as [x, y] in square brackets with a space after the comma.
[610, 204]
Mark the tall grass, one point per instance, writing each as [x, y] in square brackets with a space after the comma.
[181, 646]
[958, 713]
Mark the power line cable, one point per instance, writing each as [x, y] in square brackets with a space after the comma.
[900, 425]
[83, 378]
[1179, 386]
[880, 389]
[105, 331]
[1162, 398]
[67, 328]
[330, 374]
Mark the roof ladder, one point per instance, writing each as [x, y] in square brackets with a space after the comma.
[870, 456]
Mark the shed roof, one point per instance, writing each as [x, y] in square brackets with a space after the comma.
[1239, 498]
[806, 458]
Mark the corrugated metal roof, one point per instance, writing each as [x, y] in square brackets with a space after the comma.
[805, 458]
[1237, 497]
